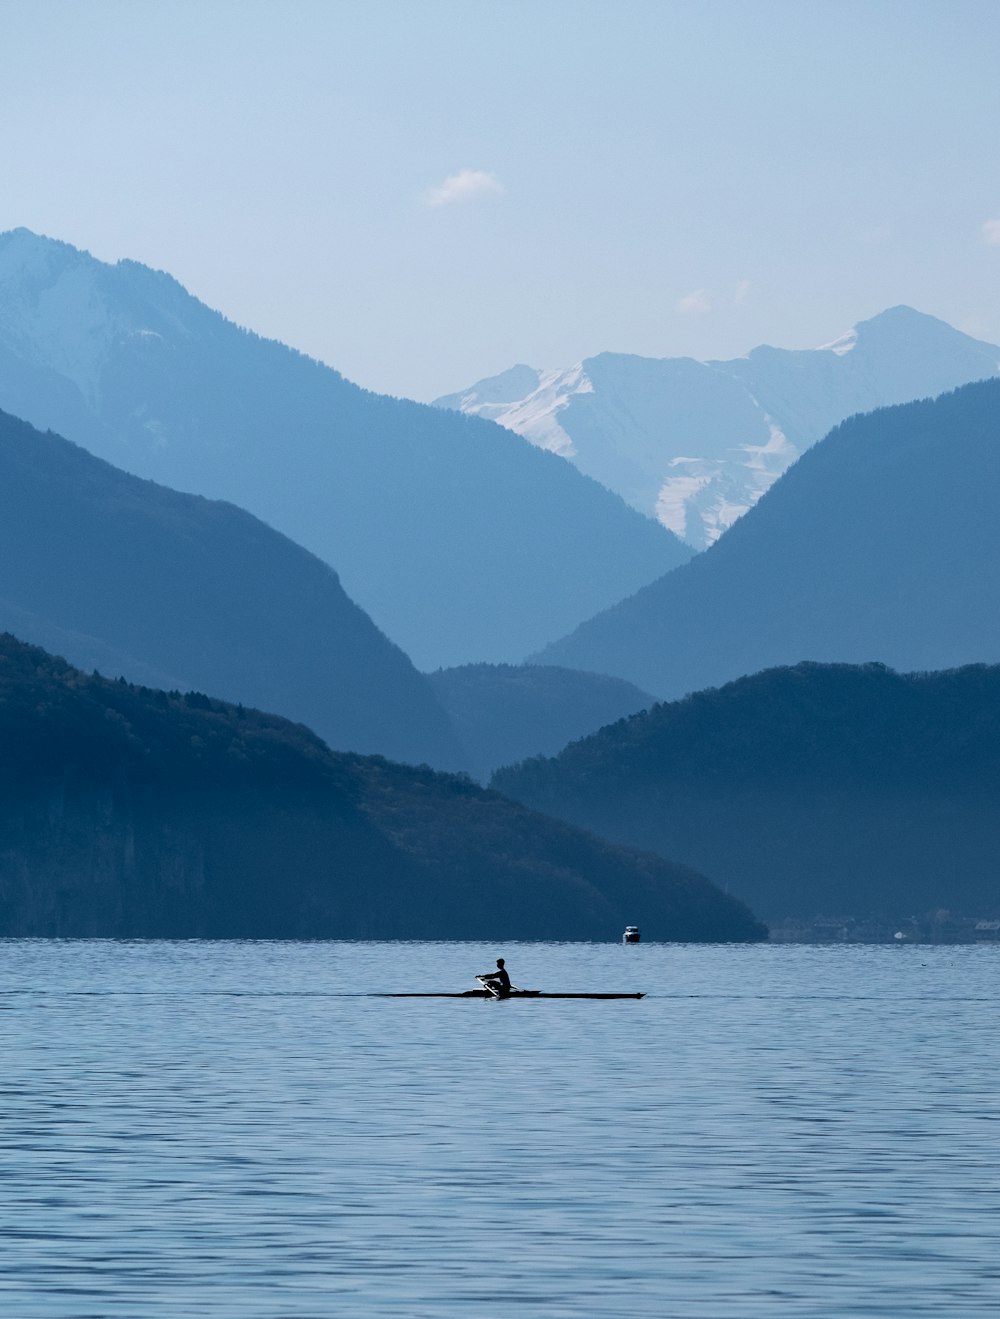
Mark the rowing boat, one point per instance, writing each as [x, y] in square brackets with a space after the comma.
[485, 993]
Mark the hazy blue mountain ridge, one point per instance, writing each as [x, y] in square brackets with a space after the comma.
[503, 713]
[881, 543]
[123, 575]
[899, 356]
[127, 812]
[698, 443]
[818, 790]
[460, 539]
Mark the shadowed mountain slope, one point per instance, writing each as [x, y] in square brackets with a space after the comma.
[126, 812]
[506, 712]
[124, 576]
[816, 790]
[460, 539]
[881, 543]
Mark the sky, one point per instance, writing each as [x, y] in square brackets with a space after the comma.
[423, 194]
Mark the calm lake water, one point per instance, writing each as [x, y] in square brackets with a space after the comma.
[229, 1129]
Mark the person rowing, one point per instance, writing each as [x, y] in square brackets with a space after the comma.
[498, 981]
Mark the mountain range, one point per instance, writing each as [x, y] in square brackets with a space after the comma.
[131, 812]
[124, 576]
[121, 575]
[819, 790]
[461, 540]
[881, 543]
[697, 443]
[160, 809]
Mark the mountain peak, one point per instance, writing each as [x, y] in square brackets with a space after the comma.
[25, 253]
[68, 312]
[907, 323]
[695, 444]
[509, 386]
[901, 314]
[900, 323]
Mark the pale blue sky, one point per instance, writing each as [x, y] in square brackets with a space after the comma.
[661, 178]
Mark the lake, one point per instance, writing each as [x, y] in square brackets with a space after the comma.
[234, 1129]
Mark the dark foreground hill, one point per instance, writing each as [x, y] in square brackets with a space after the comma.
[129, 812]
[125, 576]
[816, 790]
[506, 712]
[881, 543]
[462, 540]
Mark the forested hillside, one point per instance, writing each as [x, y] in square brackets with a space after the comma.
[131, 812]
[815, 790]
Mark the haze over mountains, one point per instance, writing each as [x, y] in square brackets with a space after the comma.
[819, 790]
[122, 575]
[697, 443]
[881, 543]
[461, 540]
[505, 712]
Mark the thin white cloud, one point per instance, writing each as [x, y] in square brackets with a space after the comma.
[467, 185]
[695, 303]
[991, 231]
[741, 291]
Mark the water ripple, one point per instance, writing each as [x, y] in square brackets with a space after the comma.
[236, 1128]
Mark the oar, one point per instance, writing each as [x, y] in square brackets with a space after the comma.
[490, 989]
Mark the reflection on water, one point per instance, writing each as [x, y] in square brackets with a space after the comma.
[231, 1128]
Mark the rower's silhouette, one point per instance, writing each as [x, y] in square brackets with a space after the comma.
[499, 981]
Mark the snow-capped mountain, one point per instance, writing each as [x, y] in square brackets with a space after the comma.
[696, 444]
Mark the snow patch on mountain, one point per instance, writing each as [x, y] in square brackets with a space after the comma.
[703, 497]
[534, 411]
[537, 416]
[842, 346]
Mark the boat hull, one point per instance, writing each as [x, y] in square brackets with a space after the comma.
[515, 993]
